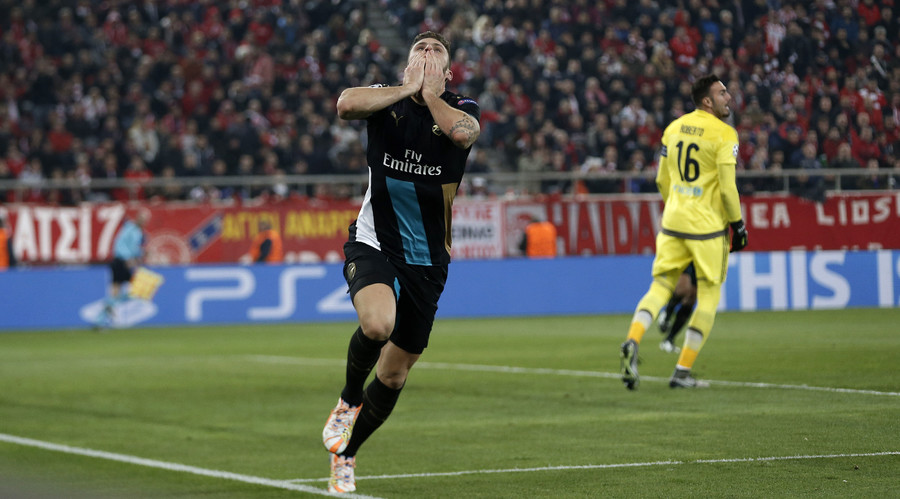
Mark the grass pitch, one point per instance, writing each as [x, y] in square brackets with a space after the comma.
[802, 404]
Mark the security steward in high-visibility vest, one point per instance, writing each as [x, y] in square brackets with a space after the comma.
[266, 245]
[7, 258]
[539, 239]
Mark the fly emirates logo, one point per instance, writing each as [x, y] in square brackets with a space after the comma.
[411, 163]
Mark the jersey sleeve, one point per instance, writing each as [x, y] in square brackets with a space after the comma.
[726, 161]
[467, 105]
[728, 149]
[663, 180]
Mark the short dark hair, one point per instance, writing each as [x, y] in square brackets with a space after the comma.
[700, 88]
[437, 36]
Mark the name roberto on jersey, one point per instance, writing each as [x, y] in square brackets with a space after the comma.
[411, 164]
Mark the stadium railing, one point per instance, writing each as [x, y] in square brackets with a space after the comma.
[834, 180]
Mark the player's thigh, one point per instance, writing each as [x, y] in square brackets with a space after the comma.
[710, 258]
[672, 257]
[376, 308]
[420, 289]
[371, 279]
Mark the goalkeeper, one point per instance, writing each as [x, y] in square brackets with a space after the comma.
[697, 181]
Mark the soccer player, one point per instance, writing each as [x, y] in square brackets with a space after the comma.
[697, 181]
[128, 254]
[397, 255]
[679, 309]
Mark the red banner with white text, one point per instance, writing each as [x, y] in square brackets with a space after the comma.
[311, 231]
[315, 231]
[620, 225]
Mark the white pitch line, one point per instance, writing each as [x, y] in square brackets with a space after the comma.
[275, 359]
[152, 463]
[610, 466]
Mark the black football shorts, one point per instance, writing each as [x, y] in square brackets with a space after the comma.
[417, 289]
[120, 271]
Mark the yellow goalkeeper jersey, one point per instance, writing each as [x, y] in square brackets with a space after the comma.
[696, 176]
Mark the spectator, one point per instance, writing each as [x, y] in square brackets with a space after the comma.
[144, 139]
[171, 189]
[844, 159]
[138, 174]
[874, 180]
[831, 145]
[32, 181]
[90, 74]
[864, 146]
[809, 185]
[637, 164]
[6, 175]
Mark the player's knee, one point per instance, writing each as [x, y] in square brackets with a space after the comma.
[393, 378]
[656, 297]
[377, 326]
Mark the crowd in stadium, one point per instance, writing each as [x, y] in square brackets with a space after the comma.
[142, 89]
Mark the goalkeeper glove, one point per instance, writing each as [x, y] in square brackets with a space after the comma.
[738, 236]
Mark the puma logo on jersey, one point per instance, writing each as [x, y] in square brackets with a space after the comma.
[436, 130]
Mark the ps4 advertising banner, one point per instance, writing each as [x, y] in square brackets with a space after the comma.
[71, 298]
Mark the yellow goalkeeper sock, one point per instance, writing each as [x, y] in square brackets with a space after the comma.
[656, 298]
[639, 325]
[693, 342]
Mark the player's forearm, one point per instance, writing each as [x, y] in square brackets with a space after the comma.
[359, 102]
[460, 127]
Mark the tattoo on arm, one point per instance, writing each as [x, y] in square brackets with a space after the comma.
[465, 126]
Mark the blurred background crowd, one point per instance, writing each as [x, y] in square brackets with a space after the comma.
[140, 89]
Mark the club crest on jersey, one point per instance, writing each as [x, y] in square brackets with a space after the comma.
[396, 118]
[436, 130]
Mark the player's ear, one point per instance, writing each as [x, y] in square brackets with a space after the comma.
[448, 75]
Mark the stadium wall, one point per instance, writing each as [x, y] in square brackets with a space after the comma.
[71, 297]
[314, 231]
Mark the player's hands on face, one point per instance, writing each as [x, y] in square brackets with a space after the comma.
[414, 74]
[434, 74]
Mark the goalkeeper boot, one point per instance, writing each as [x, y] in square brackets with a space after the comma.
[339, 426]
[629, 356]
[682, 378]
[343, 474]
